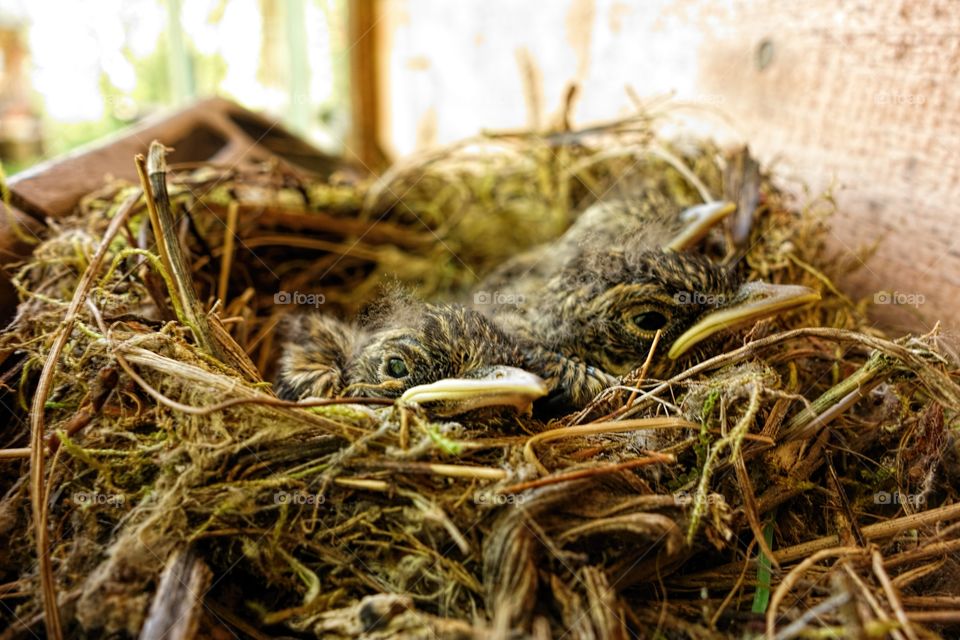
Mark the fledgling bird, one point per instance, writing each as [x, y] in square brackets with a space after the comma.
[449, 357]
[645, 219]
[600, 293]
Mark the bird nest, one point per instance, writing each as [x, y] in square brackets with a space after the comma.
[800, 480]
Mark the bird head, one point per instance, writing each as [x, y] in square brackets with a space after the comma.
[445, 356]
[609, 305]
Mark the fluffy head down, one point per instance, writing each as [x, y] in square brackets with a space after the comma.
[394, 350]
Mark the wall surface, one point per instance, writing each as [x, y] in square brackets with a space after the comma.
[863, 97]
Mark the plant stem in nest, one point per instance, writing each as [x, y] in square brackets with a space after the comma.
[210, 335]
[153, 176]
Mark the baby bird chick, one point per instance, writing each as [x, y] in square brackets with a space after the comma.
[648, 219]
[447, 356]
[602, 291]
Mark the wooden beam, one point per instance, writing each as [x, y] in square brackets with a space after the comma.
[363, 143]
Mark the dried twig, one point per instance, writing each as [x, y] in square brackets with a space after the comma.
[153, 180]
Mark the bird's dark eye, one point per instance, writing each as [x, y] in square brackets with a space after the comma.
[650, 320]
[396, 367]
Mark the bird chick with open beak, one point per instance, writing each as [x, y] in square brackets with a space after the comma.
[448, 358]
[601, 292]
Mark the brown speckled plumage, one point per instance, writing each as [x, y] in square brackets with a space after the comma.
[604, 308]
[325, 357]
[647, 219]
[575, 312]
[583, 294]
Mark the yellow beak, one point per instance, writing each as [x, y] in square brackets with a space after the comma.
[752, 302]
[491, 387]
